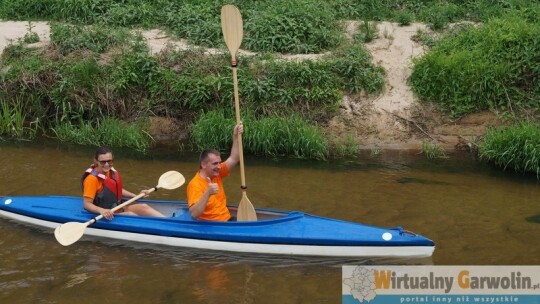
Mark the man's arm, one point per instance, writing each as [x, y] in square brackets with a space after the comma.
[234, 157]
[198, 208]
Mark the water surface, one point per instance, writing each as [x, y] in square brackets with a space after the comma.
[475, 214]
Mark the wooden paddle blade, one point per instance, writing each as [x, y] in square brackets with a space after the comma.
[68, 233]
[171, 180]
[246, 212]
[232, 28]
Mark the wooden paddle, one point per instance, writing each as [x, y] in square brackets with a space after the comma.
[231, 25]
[68, 233]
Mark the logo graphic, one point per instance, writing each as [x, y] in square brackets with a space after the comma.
[440, 284]
[362, 284]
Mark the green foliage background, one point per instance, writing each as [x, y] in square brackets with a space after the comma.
[98, 68]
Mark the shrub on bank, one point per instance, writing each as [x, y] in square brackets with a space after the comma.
[492, 66]
[516, 147]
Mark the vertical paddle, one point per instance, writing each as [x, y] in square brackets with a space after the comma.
[232, 27]
[68, 233]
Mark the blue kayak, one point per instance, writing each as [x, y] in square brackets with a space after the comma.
[275, 232]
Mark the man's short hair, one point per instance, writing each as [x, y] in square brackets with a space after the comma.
[204, 154]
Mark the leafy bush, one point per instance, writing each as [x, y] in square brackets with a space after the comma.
[134, 68]
[291, 26]
[68, 38]
[492, 66]
[26, 9]
[404, 18]
[356, 71]
[198, 21]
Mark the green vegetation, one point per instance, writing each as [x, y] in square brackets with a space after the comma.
[107, 131]
[12, 121]
[346, 147]
[516, 147]
[98, 70]
[375, 152]
[269, 136]
[299, 26]
[92, 72]
[433, 150]
[493, 66]
[366, 32]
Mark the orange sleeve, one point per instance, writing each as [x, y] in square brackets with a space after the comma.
[224, 172]
[91, 186]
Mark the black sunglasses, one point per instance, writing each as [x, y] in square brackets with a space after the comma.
[103, 162]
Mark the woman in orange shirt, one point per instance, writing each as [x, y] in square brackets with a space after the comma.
[103, 189]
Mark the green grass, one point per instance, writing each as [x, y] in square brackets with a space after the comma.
[493, 66]
[346, 147]
[14, 122]
[107, 131]
[433, 150]
[71, 37]
[267, 136]
[516, 147]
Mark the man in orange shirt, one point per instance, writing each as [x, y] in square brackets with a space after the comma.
[103, 189]
[205, 193]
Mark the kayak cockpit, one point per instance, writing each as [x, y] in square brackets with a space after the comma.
[180, 211]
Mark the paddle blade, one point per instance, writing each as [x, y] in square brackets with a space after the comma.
[232, 28]
[68, 233]
[171, 180]
[246, 212]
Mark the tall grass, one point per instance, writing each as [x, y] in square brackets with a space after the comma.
[516, 147]
[433, 150]
[494, 66]
[267, 136]
[14, 122]
[107, 131]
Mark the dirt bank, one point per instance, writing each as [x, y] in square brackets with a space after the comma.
[392, 120]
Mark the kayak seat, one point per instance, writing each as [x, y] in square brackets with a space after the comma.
[182, 214]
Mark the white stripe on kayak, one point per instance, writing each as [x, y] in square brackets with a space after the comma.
[280, 249]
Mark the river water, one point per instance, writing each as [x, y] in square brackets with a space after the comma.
[476, 214]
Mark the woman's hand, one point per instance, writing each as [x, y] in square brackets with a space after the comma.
[107, 213]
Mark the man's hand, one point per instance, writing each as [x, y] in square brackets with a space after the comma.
[213, 188]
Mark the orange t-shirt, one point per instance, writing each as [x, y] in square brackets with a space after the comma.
[92, 185]
[216, 208]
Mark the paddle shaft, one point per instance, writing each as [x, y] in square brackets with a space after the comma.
[97, 218]
[238, 120]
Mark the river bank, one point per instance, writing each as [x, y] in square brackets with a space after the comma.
[392, 120]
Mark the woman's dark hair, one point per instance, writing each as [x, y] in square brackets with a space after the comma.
[102, 150]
